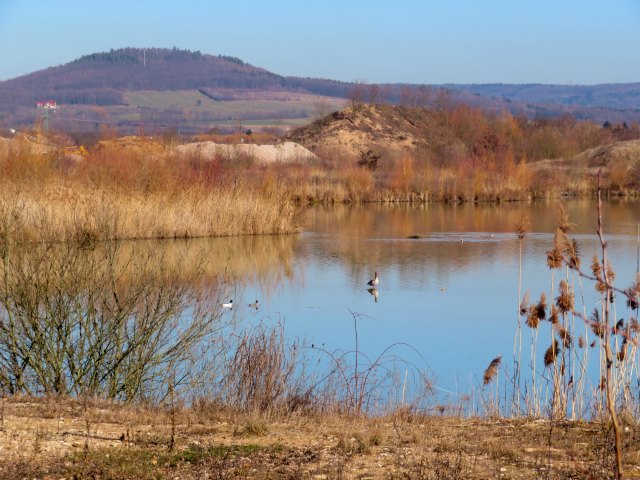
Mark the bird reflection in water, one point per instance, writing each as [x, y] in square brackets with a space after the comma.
[374, 292]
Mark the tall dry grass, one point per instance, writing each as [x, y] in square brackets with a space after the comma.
[130, 196]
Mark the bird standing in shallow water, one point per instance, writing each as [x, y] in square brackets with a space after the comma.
[373, 282]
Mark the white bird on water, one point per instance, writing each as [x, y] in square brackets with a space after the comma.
[373, 282]
[228, 305]
[254, 305]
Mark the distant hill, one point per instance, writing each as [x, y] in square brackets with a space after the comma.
[107, 74]
[105, 79]
[131, 88]
[623, 96]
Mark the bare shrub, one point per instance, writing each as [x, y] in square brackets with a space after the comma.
[76, 321]
[261, 373]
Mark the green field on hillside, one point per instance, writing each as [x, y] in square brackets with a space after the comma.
[260, 106]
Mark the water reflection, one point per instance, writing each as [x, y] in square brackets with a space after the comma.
[373, 291]
[448, 276]
[264, 261]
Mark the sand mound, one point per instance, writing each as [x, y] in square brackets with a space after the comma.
[628, 151]
[377, 128]
[287, 152]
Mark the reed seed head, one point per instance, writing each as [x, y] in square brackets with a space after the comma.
[633, 295]
[580, 342]
[611, 274]
[492, 369]
[565, 299]
[622, 353]
[573, 254]
[597, 325]
[596, 268]
[554, 256]
[541, 308]
[564, 224]
[598, 329]
[532, 318]
[563, 333]
[553, 318]
[524, 304]
[551, 353]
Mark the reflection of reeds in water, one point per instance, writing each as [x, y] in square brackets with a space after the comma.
[203, 263]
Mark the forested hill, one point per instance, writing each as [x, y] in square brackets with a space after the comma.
[100, 78]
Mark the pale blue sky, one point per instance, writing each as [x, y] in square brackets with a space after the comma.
[457, 41]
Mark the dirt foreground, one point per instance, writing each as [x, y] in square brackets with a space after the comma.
[62, 439]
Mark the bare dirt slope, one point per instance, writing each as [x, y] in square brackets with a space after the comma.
[619, 155]
[606, 156]
[377, 128]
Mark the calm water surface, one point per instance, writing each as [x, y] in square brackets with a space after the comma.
[452, 294]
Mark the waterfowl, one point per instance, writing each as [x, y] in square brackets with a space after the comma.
[374, 281]
[254, 305]
[228, 305]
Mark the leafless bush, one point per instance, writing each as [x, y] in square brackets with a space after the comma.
[262, 371]
[77, 321]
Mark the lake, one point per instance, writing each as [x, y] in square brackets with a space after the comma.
[447, 302]
[450, 297]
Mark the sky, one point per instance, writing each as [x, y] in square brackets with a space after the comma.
[400, 41]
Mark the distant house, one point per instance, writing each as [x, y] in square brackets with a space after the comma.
[48, 105]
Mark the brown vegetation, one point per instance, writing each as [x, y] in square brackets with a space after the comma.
[56, 438]
[130, 190]
[462, 154]
[134, 187]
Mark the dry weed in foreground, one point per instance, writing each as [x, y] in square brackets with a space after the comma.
[46, 437]
[565, 386]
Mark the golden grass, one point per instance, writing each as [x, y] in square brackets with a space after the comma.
[77, 212]
[46, 198]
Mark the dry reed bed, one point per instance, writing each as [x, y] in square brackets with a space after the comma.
[80, 213]
[46, 198]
